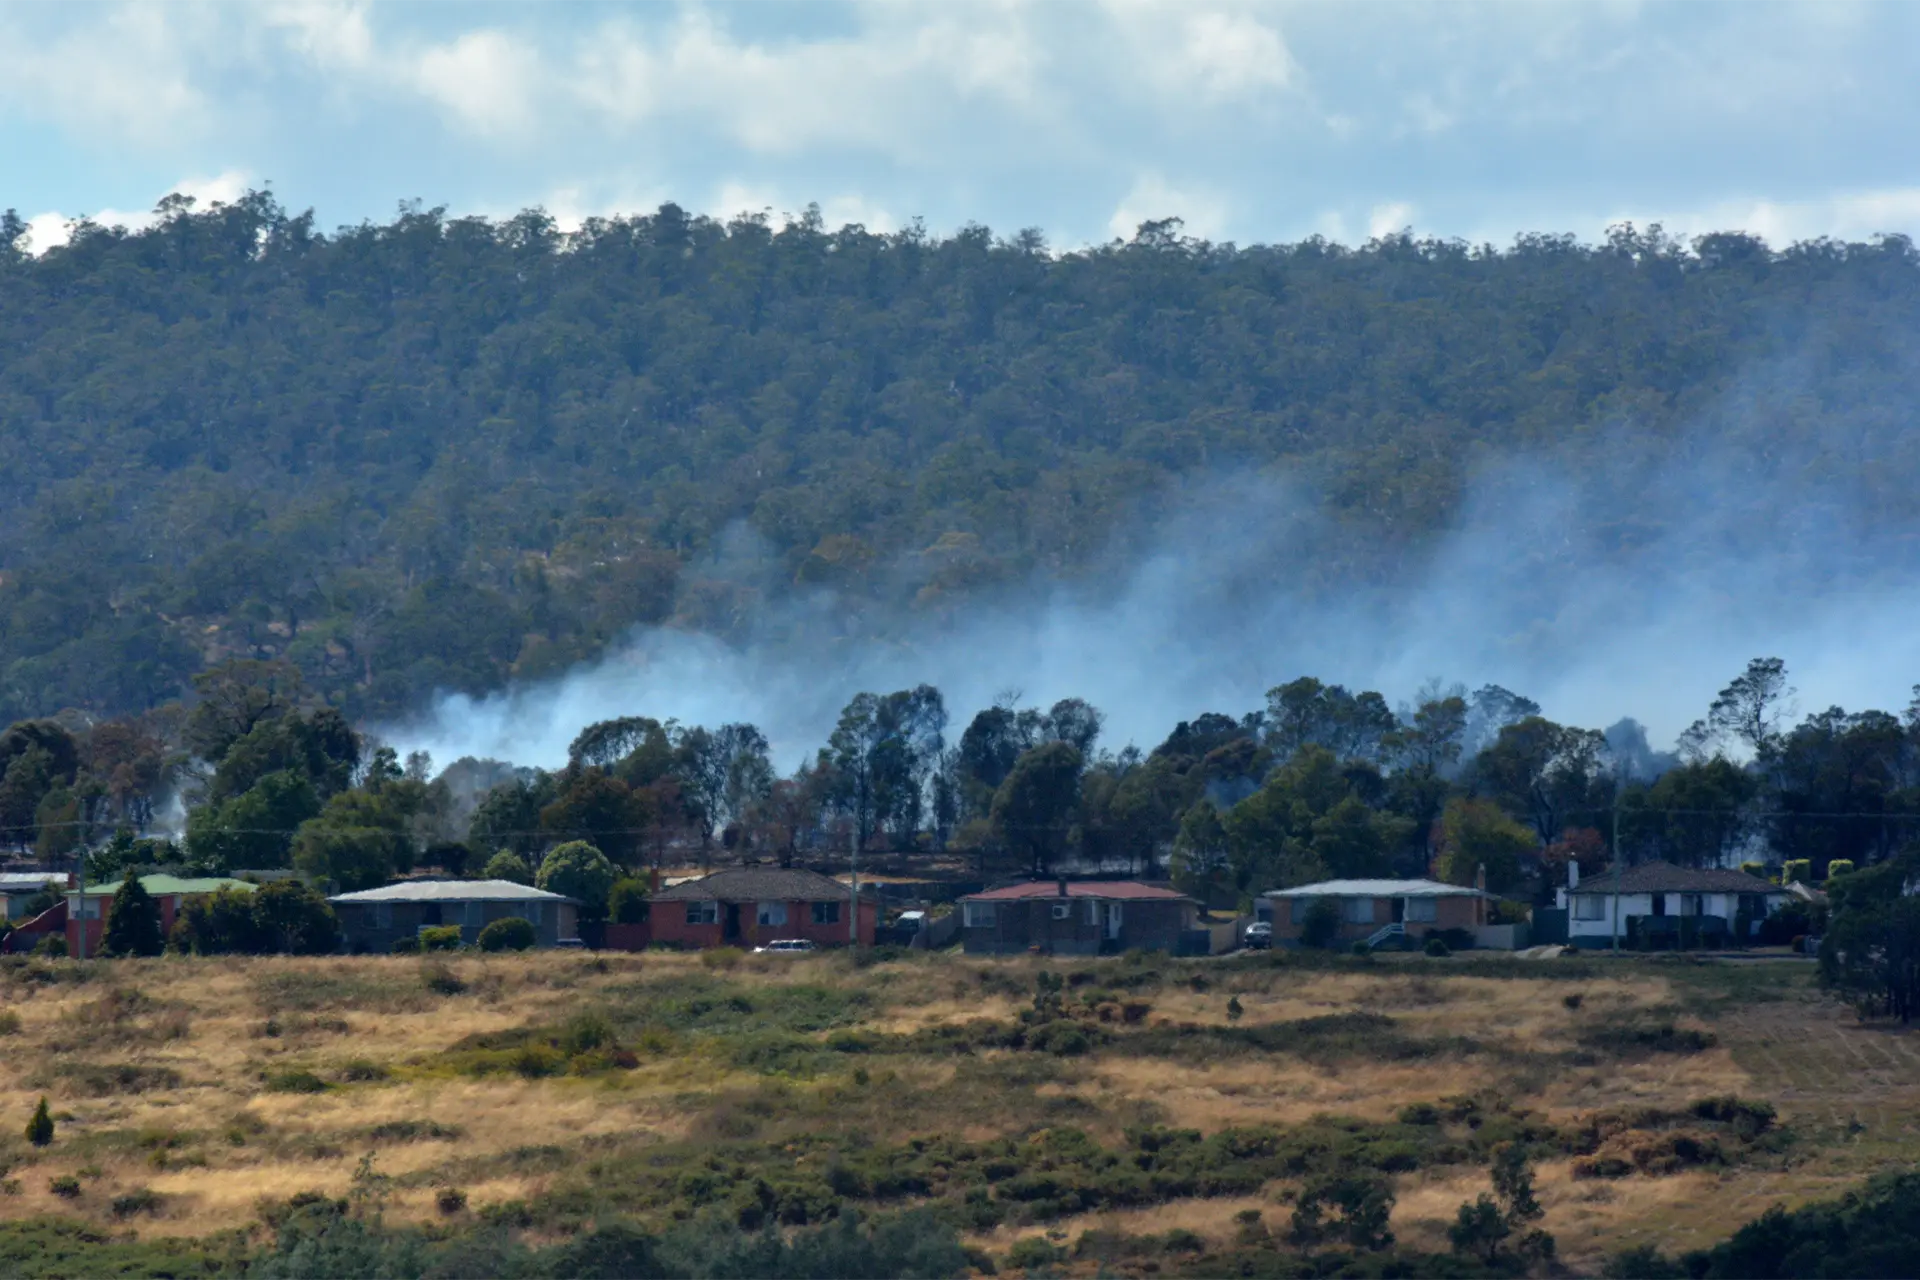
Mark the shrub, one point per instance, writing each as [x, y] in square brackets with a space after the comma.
[1234, 1009]
[40, 1127]
[1420, 1113]
[722, 957]
[508, 865]
[1793, 869]
[1839, 867]
[627, 903]
[1573, 999]
[134, 1203]
[441, 980]
[1758, 870]
[51, 947]
[361, 1071]
[450, 1200]
[578, 870]
[509, 934]
[1320, 927]
[133, 922]
[66, 1187]
[1437, 947]
[585, 1032]
[407, 946]
[440, 937]
[295, 1081]
[1360, 948]
[1034, 1252]
[9, 1023]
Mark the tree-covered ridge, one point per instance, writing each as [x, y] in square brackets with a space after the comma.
[449, 452]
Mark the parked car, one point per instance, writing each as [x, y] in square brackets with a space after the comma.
[1259, 936]
[785, 946]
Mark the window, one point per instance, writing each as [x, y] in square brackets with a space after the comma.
[1062, 910]
[1423, 910]
[703, 913]
[536, 913]
[470, 913]
[771, 913]
[1589, 906]
[382, 915]
[1356, 910]
[978, 915]
[826, 913]
[1093, 911]
[1690, 904]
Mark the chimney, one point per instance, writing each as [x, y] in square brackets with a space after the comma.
[653, 880]
[1063, 886]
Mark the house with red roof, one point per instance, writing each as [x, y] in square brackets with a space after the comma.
[1080, 918]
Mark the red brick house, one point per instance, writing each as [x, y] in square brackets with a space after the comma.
[749, 907]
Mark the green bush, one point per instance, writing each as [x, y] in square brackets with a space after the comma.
[1758, 870]
[440, 937]
[51, 947]
[66, 1187]
[133, 922]
[1320, 927]
[407, 946]
[1437, 947]
[578, 870]
[508, 934]
[9, 1023]
[1839, 867]
[1034, 1252]
[134, 1203]
[441, 980]
[40, 1127]
[627, 903]
[1360, 947]
[1793, 869]
[508, 865]
[294, 1081]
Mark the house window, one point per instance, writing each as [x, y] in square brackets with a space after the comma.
[978, 915]
[1690, 904]
[1589, 906]
[826, 913]
[1356, 910]
[703, 913]
[1062, 910]
[1423, 910]
[382, 915]
[771, 913]
[536, 913]
[470, 913]
[1093, 911]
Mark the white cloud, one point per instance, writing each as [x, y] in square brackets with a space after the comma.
[486, 80]
[1847, 215]
[1389, 219]
[124, 73]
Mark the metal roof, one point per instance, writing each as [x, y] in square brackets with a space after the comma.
[452, 891]
[30, 881]
[1378, 889]
[1125, 890]
[165, 886]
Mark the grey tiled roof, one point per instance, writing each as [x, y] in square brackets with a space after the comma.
[756, 884]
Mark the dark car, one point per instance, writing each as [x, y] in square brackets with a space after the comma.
[1259, 936]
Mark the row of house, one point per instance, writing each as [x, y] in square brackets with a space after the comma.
[755, 906]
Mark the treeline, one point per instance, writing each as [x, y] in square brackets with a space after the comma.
[444, 453]
[1319, 782]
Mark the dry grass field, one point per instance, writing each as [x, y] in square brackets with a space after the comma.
[537, 1090]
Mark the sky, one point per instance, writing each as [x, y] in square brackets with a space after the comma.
[1253, 122]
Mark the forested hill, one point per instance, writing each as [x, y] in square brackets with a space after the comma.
[450, 452]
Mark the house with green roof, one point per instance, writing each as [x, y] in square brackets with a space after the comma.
[86, 911]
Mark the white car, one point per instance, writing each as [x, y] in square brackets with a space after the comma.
[785, 946]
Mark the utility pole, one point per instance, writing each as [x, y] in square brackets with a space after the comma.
[1614, 911]
[80, 903]
[853, 916]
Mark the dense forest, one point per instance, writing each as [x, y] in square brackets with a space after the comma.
[450, 453]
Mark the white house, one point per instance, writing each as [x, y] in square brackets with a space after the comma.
[1661, 891]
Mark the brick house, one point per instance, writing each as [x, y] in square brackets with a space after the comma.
[374, 919]
[1367, 907]
[1082, 918]
[87, 913]
[749, 907]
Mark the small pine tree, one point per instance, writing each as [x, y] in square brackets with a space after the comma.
[40, 1128]
[133, 921]
[1234, 1009]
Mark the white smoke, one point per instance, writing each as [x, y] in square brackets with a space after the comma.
[1247, 583]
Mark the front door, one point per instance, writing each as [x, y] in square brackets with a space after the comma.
[731, 932]
[1113, 921]
[1399, 910]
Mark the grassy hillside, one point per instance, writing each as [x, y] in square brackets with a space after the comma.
[1124, 1110]
[450, 452]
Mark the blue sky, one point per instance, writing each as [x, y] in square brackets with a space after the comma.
[1253, 122]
